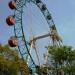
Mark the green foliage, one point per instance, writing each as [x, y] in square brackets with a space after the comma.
[41, 70]
[10, 62]
[63, 57]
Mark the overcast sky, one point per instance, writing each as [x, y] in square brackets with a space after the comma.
[63, 13]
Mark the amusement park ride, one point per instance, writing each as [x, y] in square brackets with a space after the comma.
[19, 40]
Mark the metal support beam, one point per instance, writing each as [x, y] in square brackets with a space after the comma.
[40, 37]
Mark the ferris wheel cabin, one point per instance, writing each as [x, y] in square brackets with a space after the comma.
[12, 4]
[13, 42]
[10, 21]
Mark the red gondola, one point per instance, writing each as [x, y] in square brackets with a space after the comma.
[12, 4]
[10, 20]
[13, 42]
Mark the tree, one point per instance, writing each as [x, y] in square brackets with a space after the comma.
[41, 70]
[63, 58]
[11, 63]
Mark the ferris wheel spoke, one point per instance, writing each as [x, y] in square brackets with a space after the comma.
[41, 37]
[37, 55]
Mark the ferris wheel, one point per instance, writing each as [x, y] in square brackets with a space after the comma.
[27, 42]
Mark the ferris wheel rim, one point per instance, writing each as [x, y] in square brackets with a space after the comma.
[23, 36]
